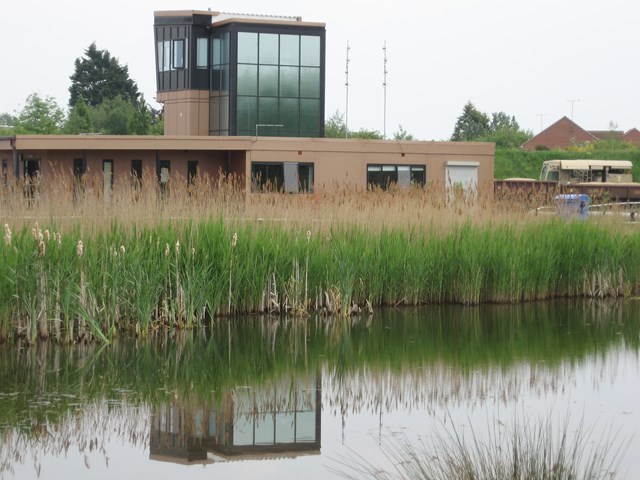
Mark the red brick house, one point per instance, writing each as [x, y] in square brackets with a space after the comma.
[566, 132]
[560, 135]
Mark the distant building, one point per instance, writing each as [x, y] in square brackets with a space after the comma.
[565, 132]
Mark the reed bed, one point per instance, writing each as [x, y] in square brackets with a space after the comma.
[85, 267]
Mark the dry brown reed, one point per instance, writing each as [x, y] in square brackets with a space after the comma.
[59, 199]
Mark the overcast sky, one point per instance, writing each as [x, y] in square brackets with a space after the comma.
[535, 60]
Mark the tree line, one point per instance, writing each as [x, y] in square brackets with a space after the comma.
[103, 100]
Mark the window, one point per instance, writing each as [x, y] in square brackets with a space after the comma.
[4, 172]
[192, 172]
[288, 177]
[166, 59]
[79, 169]
[136, 170]
[383, 176]
[202, 46]
[179, 53]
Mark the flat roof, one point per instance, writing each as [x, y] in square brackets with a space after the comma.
[189, 142]
[586, 164]
[224, 18]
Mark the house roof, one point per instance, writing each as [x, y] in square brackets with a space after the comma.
[560, 134]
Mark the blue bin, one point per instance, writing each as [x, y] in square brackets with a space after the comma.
[573, 205]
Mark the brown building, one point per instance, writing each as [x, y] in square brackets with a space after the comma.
[290, 164]
[245, 95]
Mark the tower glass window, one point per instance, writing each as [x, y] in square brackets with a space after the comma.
[280, 75]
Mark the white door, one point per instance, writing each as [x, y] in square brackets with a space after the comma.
[462, 179]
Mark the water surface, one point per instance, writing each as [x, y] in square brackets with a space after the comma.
[260, 398]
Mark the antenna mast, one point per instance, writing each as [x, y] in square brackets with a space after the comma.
[384, 86]
[346, 85]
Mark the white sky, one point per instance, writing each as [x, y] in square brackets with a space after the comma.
[523, 58]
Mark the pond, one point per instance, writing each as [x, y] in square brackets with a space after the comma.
[259, 397]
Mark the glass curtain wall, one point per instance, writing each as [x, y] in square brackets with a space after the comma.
[279, 85]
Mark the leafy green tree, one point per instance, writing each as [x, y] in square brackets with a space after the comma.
[113, 116]
[99, 77]
[42, 116]
[79, 120]
[157, 123]
[402, 134]
[471, 125]
[7, 121]
[335, 126]
[366, 134]
[505, 132]
[501, 120]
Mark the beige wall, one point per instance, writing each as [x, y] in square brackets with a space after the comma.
[336, 161]
[186, 112]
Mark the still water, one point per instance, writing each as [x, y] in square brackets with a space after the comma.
[257, 398]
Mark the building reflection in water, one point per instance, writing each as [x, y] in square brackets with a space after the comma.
[280, 418]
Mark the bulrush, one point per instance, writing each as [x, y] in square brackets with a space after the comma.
[80, 248]
[7, 234]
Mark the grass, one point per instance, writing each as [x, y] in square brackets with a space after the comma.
[91, 270]
[524, 449]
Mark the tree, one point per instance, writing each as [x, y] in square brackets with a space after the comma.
[42, 116]
[7, 120]
[366, 134]
[471, 125]
[505, 132]
[402, 134]
[79, 120]
[335, 127]
[113, 116]
[100, 77]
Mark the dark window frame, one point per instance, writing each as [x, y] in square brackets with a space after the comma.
[277, 170]
[384, 175]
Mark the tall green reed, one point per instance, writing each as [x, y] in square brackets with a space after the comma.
[92, 284]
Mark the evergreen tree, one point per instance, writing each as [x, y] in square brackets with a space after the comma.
[99, 77]
[471, 125]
